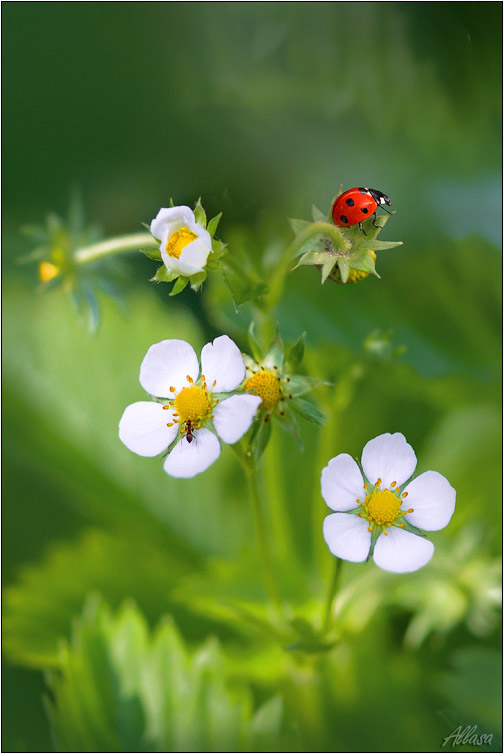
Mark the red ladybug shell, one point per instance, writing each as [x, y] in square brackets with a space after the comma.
[352, 207]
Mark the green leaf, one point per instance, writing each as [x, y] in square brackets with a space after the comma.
[200, 214]
[296, 353]
[308, 411]
[40, 607]
[152, 254]
[244, 289]
[213, 223]
[123, 688]
[179, 286]
[266, 724]
[254, 344]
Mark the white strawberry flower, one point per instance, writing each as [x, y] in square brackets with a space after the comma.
[375, 516]
[188, 405]
[184, 244]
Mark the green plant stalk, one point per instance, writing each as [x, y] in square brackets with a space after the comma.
[262, 535]
[112, 246]
[334, 586]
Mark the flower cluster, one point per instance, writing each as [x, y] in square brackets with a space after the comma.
[376, 515]
[190, 406]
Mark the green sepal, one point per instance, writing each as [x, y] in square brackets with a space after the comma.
[327, 268]
[298, 225]
[377, 531]
[363, 261]
[179, 286]
[259, 436]
[376, 245]
[344, 269]
[164, 275]
[413, 529]
[299, 384]
[296, 353]
[213, 223]
[197, 280]
[308, 411]
[318, 216]
[276, 351]
[152, 254]
[289, 421]
[314, 257]
[200, 214]
[255, 347]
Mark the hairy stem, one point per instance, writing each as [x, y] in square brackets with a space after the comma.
[117, 245]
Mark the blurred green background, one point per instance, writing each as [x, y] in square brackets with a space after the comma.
[262, 109]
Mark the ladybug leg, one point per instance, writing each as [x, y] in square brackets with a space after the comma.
[374, 222]
[361, 228]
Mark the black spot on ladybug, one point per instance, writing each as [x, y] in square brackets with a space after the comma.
[350, 202]
[365, 210]
[343, 218]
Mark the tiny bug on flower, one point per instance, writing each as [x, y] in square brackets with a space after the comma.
[189, 432]
[357, 204]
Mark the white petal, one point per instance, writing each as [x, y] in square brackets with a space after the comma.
[233, 416]
[222, 362]
[167, 215]
[389, 458]
[401, 551]
[433, 501]
[347, 536]
[190, 458]
[342, 483]
[167, 364]
[192, 259]
[143, 428]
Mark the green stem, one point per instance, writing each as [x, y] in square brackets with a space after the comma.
[262, 535]
[331, 594]
[117, 245]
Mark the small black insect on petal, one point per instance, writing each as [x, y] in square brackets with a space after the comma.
[343, 218]
[350, 202]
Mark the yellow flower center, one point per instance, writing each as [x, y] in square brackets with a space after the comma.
[383, 507]
[267, 386]
[178, 240]
[47, 271]
[192, 404]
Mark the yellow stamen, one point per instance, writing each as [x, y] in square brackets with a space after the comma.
[405, 494]
[178, 240]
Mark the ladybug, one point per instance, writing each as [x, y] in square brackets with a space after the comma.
[357, 204]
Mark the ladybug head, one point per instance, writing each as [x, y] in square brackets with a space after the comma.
[379, 197]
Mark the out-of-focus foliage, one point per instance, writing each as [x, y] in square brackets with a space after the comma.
[119, 689]
[276, 105]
